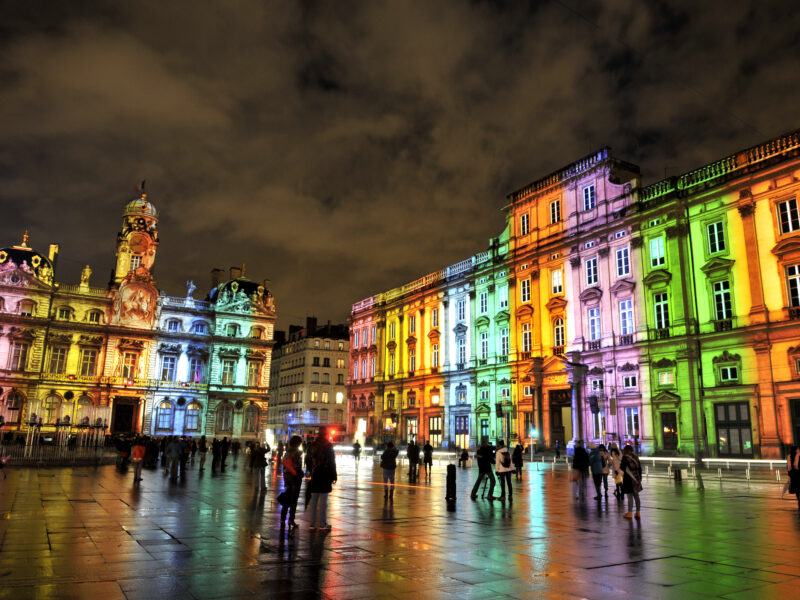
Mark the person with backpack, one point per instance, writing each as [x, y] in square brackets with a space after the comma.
[323, 476]
[631, 480]
[503, 467]
[389, 465]
[517, 459]
[292, 463]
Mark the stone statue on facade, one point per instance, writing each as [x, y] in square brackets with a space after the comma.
[190, 288]
[85, 275]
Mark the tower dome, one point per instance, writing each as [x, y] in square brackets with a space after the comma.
[140, 206]
[26, 258]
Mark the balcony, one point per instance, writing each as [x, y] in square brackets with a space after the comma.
[64, 378]
[794, 313]
[525, 355]
[625, 340]
[661, 333]
[434, 370]
[501, 360]
[593, 345]
[723, 324]
[482, 362]
[558, 350]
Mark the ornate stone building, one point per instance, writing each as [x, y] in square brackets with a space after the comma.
[127, 356]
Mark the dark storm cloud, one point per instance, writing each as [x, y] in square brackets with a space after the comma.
[341, 149]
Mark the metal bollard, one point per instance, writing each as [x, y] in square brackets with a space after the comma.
[719, 472]
[693, 472]
[778, 476]
[747, 473]
[646, 470]
[553, 466]
[669, 470]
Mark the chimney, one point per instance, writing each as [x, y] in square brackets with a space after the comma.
[236, 272]
[216, 277]
[53, 254]
[311, 326]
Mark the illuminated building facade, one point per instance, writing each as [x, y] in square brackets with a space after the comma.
[309, 373]
[667, 316]
[127, 356]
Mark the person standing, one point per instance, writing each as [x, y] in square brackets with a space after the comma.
[503, 467]
[323, 476]
[137, 454]
[606, 467]
[193, 449]
[223, 451]
[259, 467]
[427, 457]
[580, 467]
[202, 447]
[597, 464]
[485, 460]
[389, 465]
[174, 451]
[281, 451]
[185, 454]
[292, 480]
[412, 452]
[793, 467]
[631, 479]
[616, 472]
[235, 447]
[516, 458]
[558, 450]
[215, 454]
[357, 451]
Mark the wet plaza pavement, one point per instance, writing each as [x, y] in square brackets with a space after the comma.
[89, 533]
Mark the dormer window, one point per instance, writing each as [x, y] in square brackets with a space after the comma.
[93, 316]
[173, 325]
[231, 330]
[257, 333]
[27, 308]
[199, 328]
[64, 313]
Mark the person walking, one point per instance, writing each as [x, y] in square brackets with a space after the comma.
[503, 467]
[631, 480]
[259, 468]
[793, 467]
[173, 452]
[597, 464]
[516, 458]
[580, 467]
[606, 468]
[292, 480]
[357, 451]
[616, 472]
[193, 449]
[137, 454]
[235, 447]
[223, 451]
[202, 447]
[558, 450]
[184, 458]
[389, 465]
[427, 458]
[485, 459]
[281, 450]
[323, 476]
[412, 452]
[215, 454]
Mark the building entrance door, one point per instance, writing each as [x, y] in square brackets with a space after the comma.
[122, 417]
[795, 404]
[669, 431]
[732, 421]
[560, 416]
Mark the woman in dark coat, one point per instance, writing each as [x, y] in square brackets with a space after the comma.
[631, 480]
[323, 476]
[292, 481]
[516, 459]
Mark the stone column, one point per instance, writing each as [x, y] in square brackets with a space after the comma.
[575, 373]
[746, 208]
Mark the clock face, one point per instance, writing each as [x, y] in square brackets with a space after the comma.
[139, 243]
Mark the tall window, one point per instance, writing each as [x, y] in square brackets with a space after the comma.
[588, 197]
[58, 359]
[722, 300]
[788, 216]
[363, 366]
[657, 258]
[461, 310]
[18, 357]
[504, 342]
[435, 317]
[461, 356]
[94, 316]
[192, 422]
[591, 271]
[371, 367]
[435, 355]
[524, 225]
[555, 211]
[483, 302]
[526, 337]
[502, 294]
[599, 424]
[412, 359]
[166, 413]
[793, 284]
[661, 307]
[64, 314]
[716, 237]
[558, 332]
[484, 345]
[392, 330]
[631, 421]
[525, 291]
[173, 325]
[626, 316]
[412, 325]
[168, 368]
[556, 282]
[250, 419]
[253, 373]
[594, 323]
[623, 262]
[27, 308]
[374, 334]
[228, 371]
[130, 362]
[391, 363]
[356, 339]
[195, 369]
[224, 417]
[88, 362]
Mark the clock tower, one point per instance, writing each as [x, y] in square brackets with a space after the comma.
[138, 240]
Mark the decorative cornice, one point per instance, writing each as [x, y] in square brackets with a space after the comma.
[169, 348]
[59, 338]
[603, 252]
[717, 266]
[623, 287]
[556, 303]
[25, 333]
[575, 262]
[726, 357]
[591, 294]
[596, 370]
[90, 340]
[230, 351]
[197, 351]
[657, 277]
[460, 329]
[786, 247]
[629, 367]
[128, 344]
[664, 362]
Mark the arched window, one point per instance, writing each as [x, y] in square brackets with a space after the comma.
[94, 316]
[64, 313]
[257, 332]
[199, 328]
[173, 325]
[558, 332]
[52, 409]
[12, 408]
[224, 417]
[165, 416]
[192, 422]
[250, 419]
[2, 304]
[84, 416]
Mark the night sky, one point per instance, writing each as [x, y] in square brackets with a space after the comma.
[341, 149]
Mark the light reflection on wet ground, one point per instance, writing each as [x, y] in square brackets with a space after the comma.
[86, 533]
